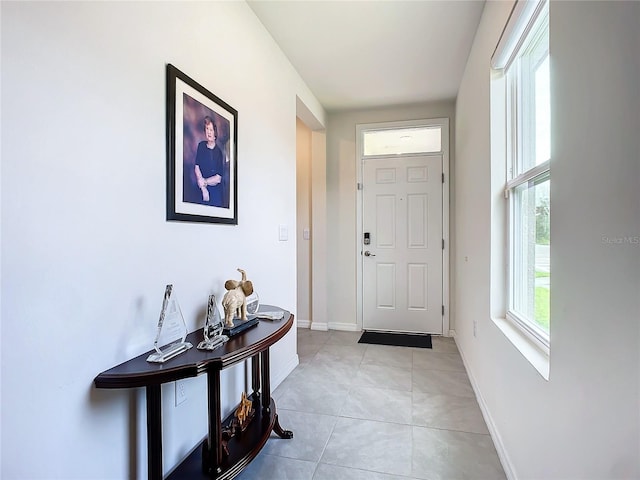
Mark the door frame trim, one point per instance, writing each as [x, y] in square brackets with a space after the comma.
[433, 122]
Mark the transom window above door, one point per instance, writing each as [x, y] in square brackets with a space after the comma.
[401, 141]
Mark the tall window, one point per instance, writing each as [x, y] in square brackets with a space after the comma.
[527, 120]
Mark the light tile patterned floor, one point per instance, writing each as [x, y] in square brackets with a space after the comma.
[370, 412]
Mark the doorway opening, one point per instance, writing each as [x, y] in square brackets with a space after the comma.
[311, 224]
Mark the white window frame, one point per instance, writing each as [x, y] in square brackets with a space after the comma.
[519, 43]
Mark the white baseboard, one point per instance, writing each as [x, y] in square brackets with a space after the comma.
[304, 323]
[278, 377]
[495, 436]
[345, 327]
[325, 326]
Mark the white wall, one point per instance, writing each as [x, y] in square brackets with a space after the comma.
[303, 202]
[86, 249]
[584, 422]
[342, 243]
[319, 228]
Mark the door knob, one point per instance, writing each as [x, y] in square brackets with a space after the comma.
[369, 254]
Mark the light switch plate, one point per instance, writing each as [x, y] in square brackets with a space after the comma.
[181, 392]
[283, 233]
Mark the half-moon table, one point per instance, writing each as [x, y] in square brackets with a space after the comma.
[220, 455]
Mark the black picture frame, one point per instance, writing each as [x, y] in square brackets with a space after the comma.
[191, 110]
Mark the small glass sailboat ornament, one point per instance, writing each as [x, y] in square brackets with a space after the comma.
[213, 336]
[172, 330]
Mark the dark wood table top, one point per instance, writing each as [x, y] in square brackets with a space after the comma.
[137, 372]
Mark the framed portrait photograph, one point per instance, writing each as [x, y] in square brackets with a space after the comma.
[202, 149]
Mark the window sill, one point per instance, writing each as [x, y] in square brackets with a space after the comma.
[535, 355]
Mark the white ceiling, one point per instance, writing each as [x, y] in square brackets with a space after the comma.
[360, 54]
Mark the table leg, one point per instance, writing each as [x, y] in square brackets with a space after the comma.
[215, 421]
[255, 375]
[281, 432]
[266, 396]
[266, 383]
[154, 432]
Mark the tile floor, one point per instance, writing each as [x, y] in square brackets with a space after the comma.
[371, 412]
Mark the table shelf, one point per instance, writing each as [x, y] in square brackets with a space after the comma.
[243, 449]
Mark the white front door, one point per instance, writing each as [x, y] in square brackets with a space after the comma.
[402, 264]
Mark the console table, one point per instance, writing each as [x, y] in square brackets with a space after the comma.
[218, 458]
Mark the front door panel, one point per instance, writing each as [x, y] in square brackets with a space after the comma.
[402, 274]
